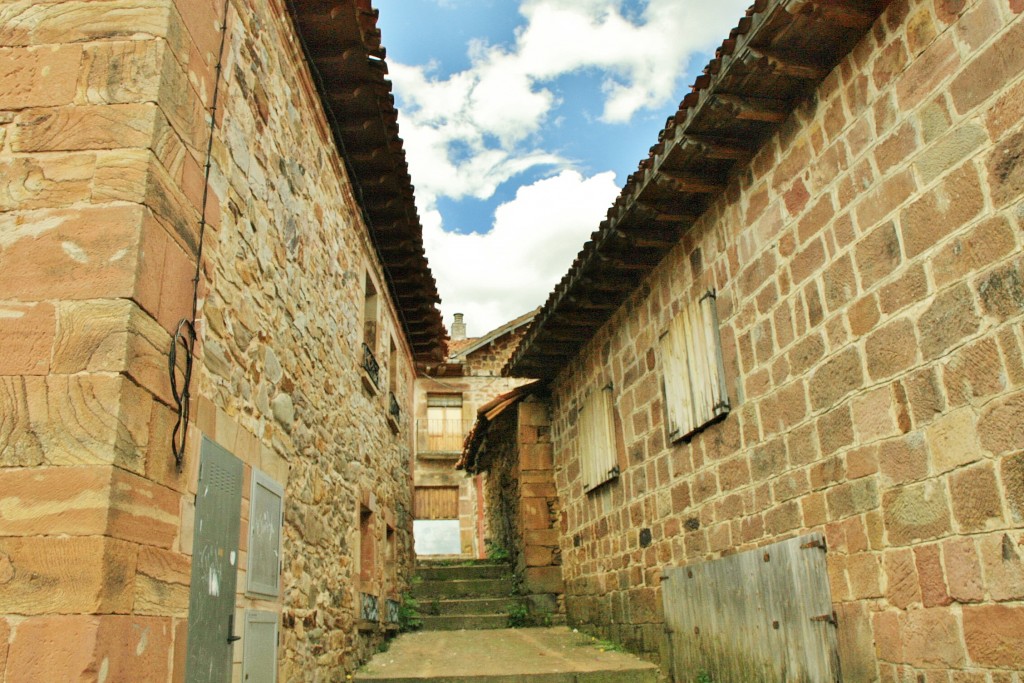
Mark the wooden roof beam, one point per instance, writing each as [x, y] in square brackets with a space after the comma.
[748, 108]
[645, 240]
[835, 12]
[792, 65]
[682, 181]
[718, 148]
[665, 212]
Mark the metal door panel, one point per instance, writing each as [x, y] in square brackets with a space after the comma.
[214, 566]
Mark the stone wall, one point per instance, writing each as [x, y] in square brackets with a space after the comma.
[103, 127]
[522, 505]
[868, 264]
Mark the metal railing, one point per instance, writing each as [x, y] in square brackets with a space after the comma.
[370, 365]
[441, 436]
[394, 409]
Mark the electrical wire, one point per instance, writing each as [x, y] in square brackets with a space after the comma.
[185, 333]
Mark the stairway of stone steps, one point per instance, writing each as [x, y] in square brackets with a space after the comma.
[464, 595]
[465, 607]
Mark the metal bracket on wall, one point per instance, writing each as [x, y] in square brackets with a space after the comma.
[818, 543]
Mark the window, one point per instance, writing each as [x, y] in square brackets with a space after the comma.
[370, 314]
[367, 546]
[444, 422]
[598, 454]
[391, 559]
[394, 409]
[265, 510]
[369, 364]
[694, 374]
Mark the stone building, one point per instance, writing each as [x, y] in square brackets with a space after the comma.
[510, 447]
[233, 165]
[803, 314]
[450, 516]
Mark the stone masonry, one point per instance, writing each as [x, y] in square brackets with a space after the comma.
[523, 510]
[870, 278]
[103, 134]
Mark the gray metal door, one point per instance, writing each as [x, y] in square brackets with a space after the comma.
[211, 604]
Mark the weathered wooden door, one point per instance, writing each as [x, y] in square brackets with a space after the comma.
[761, 615]
[211, 605]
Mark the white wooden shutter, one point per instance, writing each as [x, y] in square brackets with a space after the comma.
[693, 370]
[597, 439]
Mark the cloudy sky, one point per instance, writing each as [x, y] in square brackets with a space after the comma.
[521, 121]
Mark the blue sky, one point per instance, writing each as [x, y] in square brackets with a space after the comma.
[522, 120]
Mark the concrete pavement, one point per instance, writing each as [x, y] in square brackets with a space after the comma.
[541, 655]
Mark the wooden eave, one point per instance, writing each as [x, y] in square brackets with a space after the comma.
[342, 45]
[777, 55]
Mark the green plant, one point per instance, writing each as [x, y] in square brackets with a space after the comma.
[704, 677]
[518, 615]
[496, 553]
[409, 614]
[607, 645]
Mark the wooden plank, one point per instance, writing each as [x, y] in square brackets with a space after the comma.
[760, 615]
[436, 502]
[747, 108]
[792, 65]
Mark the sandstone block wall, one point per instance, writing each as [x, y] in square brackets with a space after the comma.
[522, 504]
[868, 264]
[103, 132]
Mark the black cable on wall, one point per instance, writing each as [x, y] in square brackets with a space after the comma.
[185, 333]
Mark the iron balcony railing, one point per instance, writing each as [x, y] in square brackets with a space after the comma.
[394, 409]
[441, 436]
[370, 365]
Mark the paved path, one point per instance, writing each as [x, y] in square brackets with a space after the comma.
[541, 655]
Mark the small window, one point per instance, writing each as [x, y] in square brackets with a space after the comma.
[598, 457]
[393, 367]
[391, 559]
[694, 374]
[445, 429]
[367, 545]
[266, 505]
[370, 314]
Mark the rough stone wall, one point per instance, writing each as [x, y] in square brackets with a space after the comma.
[868, 264]
[104, 135]
[490, 359]
[521, 502]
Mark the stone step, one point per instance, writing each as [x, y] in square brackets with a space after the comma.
[462, 572]
[437, 607]
[469, 588]
[471, 622]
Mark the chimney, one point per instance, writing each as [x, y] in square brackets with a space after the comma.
[458, 328]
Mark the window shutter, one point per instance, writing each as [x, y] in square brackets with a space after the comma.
[597, 439]
[693, 369]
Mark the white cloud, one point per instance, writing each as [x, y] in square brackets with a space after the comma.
[471, 131]
[495, 276]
